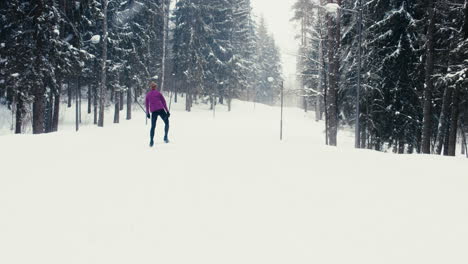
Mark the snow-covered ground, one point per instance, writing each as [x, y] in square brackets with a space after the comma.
[225, 191]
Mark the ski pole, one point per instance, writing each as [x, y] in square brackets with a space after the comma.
[136, 100]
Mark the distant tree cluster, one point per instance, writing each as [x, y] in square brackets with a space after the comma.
[218, 51]
[105, 52]
[414, 66]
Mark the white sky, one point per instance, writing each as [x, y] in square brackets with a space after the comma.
[277, 14]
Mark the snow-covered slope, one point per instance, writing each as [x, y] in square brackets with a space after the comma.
[225, 191]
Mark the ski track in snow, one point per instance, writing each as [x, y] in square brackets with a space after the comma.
[225, 191]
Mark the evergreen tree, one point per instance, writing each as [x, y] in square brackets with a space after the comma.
[269, 67]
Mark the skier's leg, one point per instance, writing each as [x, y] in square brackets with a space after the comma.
[154, 117]
[165, 118]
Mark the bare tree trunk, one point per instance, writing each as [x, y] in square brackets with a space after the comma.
[326, 113]
[19, 114]
[38, 89]
[117, 107]
[446, 139]
[38, 112]
[165, 32]
[212, 101]
[429, 87]
[221, 96]
[363, 133]
[465, 24]
[443, 120]
[49, 114]
[454, 123]
[410, 148]
[55, 118]
[90, 88]
[333, 67]
[464, 147]
[79, 102]
[121, 97]
[129, 103]
[465, 123]
[318, 106]
[69, 94]
[401, 146]
[137, 94]
[102, 90]
[187, 101]
[461, 126]
[302, 63]
[77, 118]
[95, 103]
[176, 88]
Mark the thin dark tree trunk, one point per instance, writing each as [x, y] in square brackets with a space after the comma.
[19, 114]
[465, 123]
[212, 100]
[410, 148]
[77, 106]
[112, 94]
[137, 94]
[465, 24]
[188, 99]
[454, 123]
[325, 98]
[318, 100]
[79, 102]
[176, 88]
[461, 125]
[221, 96]
[95, 103]
[129, 103]
[121, 96]
[446, 139]
[363, 133]
[429, 87]
[333, 40]
[378, 145]
[90, 89]
[401, 146]
[165, 9]
[464, 147]
[55, 118]
[117, 108]
[38, 112]
[39, 89]
[69, 90]
[443, 120]
[302, 62]
[49, 114]
[102, 90]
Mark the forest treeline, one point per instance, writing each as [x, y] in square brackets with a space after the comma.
[98, 54]
[414, 62]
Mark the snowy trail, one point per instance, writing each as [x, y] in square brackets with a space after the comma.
[225, 191]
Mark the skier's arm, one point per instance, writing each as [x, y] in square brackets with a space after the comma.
[163, 100]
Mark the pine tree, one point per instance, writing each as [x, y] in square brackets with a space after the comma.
[269, 67]
[394, 81]
[304, 13]
[244, 41]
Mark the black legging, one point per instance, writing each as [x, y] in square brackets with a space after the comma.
[154, 117]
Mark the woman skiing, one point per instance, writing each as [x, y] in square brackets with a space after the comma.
[156, 105]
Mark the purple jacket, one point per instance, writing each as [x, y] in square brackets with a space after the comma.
[155, 101]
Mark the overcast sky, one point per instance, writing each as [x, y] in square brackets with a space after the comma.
[277, 14]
